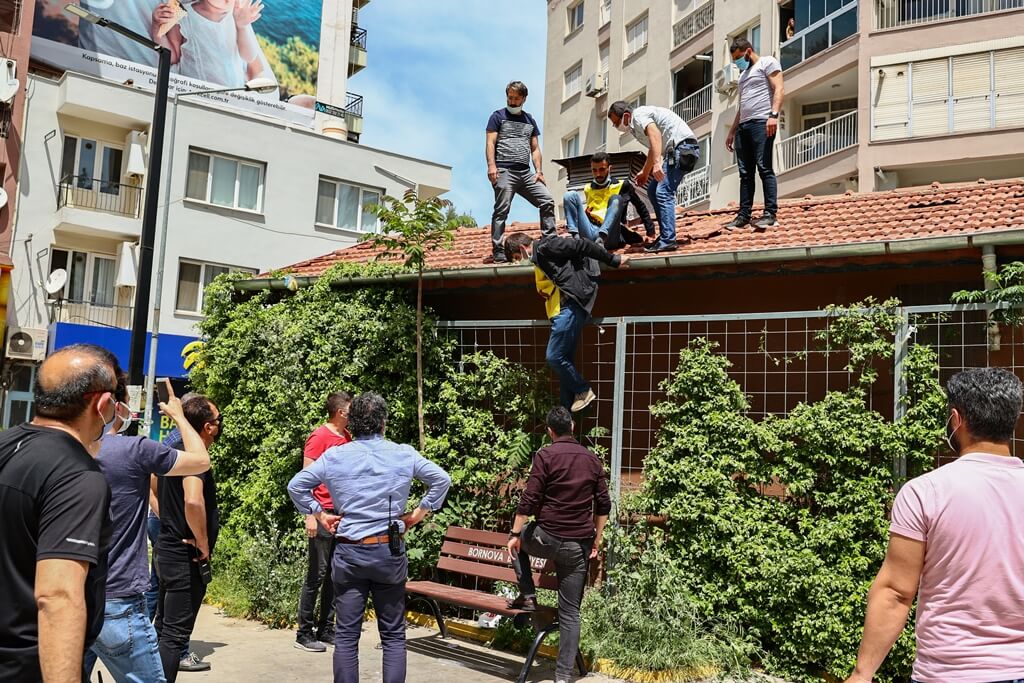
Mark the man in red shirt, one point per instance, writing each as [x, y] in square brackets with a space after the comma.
[332, 433]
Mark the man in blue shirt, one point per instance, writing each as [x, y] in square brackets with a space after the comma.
[511, 144]
[369, 480]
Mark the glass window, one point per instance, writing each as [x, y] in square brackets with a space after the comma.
[102, 281]
[76, 276]
[636, 36]
[639, 100]
[575, 17]
[604, 56]
[348, 207]
[342, 205]
[188, 286]
[225, 174]
[606, 11]
[369, 219]
[86, 163]
[325, 194]
[249, 187]
[571, 145]
[224, 181]
[198, 174]
[110, 171]
[754, 36]
[573, 81]
[67, 158]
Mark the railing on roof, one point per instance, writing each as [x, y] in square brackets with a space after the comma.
[358, 37]
[693, 23]
[354, 104]
[814, 143]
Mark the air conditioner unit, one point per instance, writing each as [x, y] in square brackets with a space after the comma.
[26, 343]
[727, 79]
[595, 85]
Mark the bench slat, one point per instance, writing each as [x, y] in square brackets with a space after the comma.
[476, 537]
[483, 602]
[498, 557]
[492, 572]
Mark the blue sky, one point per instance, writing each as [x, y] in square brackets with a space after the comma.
[436, 72]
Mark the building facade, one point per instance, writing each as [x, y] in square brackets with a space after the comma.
[239, 191]
[880, 95]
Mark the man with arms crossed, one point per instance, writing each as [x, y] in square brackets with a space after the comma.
[957, 544]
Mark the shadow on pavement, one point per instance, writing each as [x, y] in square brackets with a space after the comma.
[204, 648]
[475, 657]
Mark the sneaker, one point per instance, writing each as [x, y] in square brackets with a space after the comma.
[764, 222]
[738, 222]
[499, 257]
[326, 638]
[658, 246]
[309, 645]
[191, 662]
[583, 400]
[523, 603]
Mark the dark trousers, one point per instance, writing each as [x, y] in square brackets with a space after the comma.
[754, 152]
[572, 557]
[318, 582]
[360, 571]
[509, 184]
[181, 595]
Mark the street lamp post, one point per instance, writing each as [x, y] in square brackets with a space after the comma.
[137, 348]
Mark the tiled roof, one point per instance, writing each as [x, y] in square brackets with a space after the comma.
[820, 221]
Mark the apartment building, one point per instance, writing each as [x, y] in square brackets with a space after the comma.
[239, 192]
[879, 95]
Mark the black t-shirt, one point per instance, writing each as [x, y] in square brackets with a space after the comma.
[54, 504]
[173, 524]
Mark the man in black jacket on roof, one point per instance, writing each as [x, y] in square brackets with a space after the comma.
[566, 271]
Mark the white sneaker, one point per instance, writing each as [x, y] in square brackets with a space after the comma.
[582, 401]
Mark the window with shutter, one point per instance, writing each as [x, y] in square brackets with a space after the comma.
[889, 102]
[972, 92]
[929, 114]
[1009, 90]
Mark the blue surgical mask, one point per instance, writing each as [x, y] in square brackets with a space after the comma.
[514, 110]
[743, 63]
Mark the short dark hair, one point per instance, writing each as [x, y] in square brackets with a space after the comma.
[740, 44]
[198, 411]
[514, 241]
[517, 87]
[337, 400]
[989, 400]
[599, 157]
[121, 394]
[65, 398]
[619, 108]
[560, 421]
[368, 414]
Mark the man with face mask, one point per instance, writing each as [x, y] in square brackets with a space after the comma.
[54, 522]
[753, 131]
[189, 524]
[672, 153]
[511, 143]
[600, 212]
[955, 544]
[128, 642]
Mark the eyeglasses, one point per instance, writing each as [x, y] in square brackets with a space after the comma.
[101, 391]
[219, 420]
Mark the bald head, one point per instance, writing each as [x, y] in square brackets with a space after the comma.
[67, 380]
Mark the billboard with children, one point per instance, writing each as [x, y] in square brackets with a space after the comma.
[213, 44]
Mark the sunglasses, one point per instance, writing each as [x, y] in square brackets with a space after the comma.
[219, 420]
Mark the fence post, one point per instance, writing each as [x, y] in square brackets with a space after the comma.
[899, 406]
[618, 409]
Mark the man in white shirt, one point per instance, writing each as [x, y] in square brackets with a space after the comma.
[672, 153]
[753, 131]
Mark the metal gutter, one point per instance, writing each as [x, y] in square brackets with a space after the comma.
[894, 247]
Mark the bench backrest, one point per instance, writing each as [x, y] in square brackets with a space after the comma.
[484, 554]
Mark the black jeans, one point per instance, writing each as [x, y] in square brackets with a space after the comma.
[318, 581]
[631, 194]
[572, 558]
[181, 595]
[754, 152]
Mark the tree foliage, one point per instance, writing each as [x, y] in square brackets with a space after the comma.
[1007, 287]
[294, 64]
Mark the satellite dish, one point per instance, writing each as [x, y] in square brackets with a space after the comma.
[55, 283]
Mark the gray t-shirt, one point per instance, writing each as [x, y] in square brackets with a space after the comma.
[673, 129]
[127, 462]
[755, 89]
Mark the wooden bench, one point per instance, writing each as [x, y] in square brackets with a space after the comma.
[484, 555]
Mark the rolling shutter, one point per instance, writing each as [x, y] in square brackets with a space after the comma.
[1009, 87]
[930, 95]
[972, 92]
[889, 102]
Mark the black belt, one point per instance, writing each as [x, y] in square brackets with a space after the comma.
[689, 141]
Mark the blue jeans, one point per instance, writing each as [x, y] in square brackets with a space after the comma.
[566, 328]
[576, 216]
[754, 152]
[677, 164]
[127, 644]
[360, 571]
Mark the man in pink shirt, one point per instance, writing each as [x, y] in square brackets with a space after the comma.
[957, 543]
[313, 635]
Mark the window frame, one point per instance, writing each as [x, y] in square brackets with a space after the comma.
[574, 11]
[638, 99]
[644, 19]
[240, 163]
[577, 67]
[112, 185]
[88, 278]
[338, 182]
[201, 295]
[573, 138]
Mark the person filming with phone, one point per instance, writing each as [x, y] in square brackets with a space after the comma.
[189, 522]
[369, 480]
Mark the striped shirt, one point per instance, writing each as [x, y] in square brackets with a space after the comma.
[515, 134]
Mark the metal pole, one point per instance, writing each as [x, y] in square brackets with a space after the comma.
[140, 315]
[618, 408]
[899, 404]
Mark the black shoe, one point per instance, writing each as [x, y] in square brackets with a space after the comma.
[310, 645]
[765, 222]
[191, 662]
[738, 222]
[606, 242]
[659, 246]
[326, 638]
[630, 237]
[523, 603]
[499, 257]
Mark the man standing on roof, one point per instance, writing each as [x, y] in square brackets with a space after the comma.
[600, 212]
[566, 271]
[511, 144]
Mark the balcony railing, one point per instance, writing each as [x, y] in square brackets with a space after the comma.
[354, 104]
[693, 23]
[694, 105]
[86, 192]
[89, 313]
[901, 13]
[695, 188]
[820, 36]
[814, 143]
[359, 37]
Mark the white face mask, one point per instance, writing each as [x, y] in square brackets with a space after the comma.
[514, 110]
[953, 446]
[122, 409]
[623, 127]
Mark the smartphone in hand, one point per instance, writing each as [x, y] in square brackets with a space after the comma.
[162, 395]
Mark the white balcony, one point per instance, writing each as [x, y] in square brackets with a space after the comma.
[693, 23]
[904, 13]
[695, 188]
[694, 105]
[815, 143]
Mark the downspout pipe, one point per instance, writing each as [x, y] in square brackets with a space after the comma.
[989, 266]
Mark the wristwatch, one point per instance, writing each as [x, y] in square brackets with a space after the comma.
[773, 115]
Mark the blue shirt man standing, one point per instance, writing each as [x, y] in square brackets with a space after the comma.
[369, 480]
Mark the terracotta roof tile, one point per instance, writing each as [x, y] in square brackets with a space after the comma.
[930, 211]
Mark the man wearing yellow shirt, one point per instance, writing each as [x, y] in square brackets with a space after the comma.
[599, 212]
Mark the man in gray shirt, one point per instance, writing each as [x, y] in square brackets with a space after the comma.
[672, 153]
[753, 131]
